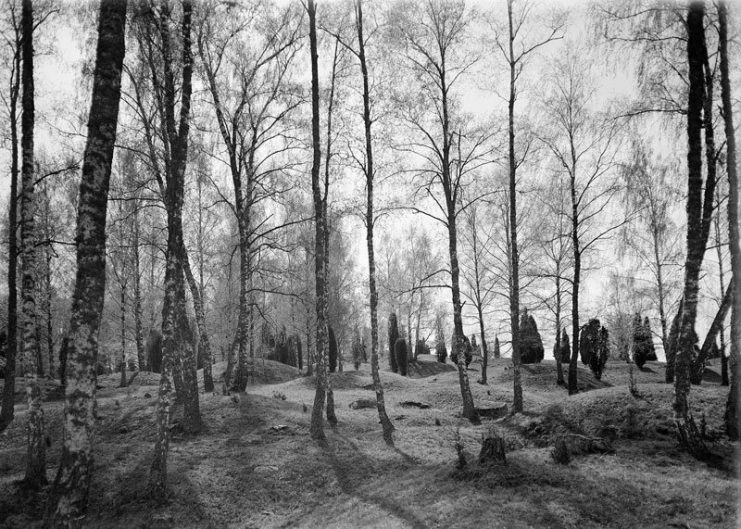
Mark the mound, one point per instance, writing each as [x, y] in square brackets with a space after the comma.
[427, 368]
[261, 371]
[614, 411]
[543, 376]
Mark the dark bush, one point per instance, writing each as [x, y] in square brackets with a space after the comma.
[154, 351]
[652, 348]
[497, 351]
[393, 336]
[401, 356]
[357, 351]
[565, 347]
[421, 348]
[332, 351]
[531, 344]
[560, 452]
[440, 349]
[643, 344]
[594, 346]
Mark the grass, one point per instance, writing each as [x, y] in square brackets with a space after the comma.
[256, 467]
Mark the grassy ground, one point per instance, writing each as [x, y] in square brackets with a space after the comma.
[256, 467]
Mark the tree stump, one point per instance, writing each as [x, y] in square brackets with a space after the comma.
[492, 450]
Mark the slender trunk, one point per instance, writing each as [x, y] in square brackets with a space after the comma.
[8, 402]
[331, 417]
[732, 418]
[48, 295]
[36, 456]
[177, 336]
[698, 363]
[69, 494]
[317, 426]
[514, 294]
[240, 378]
[204, 345]
[557, 346]
[469, 409]
[123, 334]
[695, 246]
[386, 424]
[138, 330]
[660, 286]
[479, 302]
[484, 347]
[573, 382]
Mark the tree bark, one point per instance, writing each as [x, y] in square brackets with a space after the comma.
[177, 336]
[386, 425]
[695, 246]
[514, 265]
[7, 411]
[732, 418]
[123, 333]
[36, 456]
[698, 364]
[317, 426]
[69, 494]
[138, 329]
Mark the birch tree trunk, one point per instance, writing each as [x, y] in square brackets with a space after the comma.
[732, 419]
[317, 426]
[69, 495]
[8, 402]
[36, 455]
[514, 268]
[383, 418]
[695, 246]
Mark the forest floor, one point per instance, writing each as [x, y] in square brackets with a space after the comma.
[255, 465]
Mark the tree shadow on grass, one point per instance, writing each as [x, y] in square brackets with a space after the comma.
[353, 470]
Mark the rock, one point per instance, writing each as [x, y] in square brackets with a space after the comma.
[362, 404]
[492, 411]
[147, 396]
[265, 469]
[279, 427]
[414, 404]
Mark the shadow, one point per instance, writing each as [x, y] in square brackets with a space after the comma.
[355, 469]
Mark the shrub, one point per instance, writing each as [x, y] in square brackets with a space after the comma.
[643, 344]
[357, 350]
[421, 348]
[401, 356]
[393, 336]
[560, 452]
[565, 347]
[440, 348]
[497, 351]
[531, 344]
[332, 351]
[594, 346]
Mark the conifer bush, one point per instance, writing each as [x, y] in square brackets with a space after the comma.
[643, 344]
[531, 344]
[393, 336]
[332, 351]
[401, 356]
[594, 346]
[357, 351]
[440, 348]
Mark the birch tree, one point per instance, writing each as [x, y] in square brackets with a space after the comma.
[69, 494]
